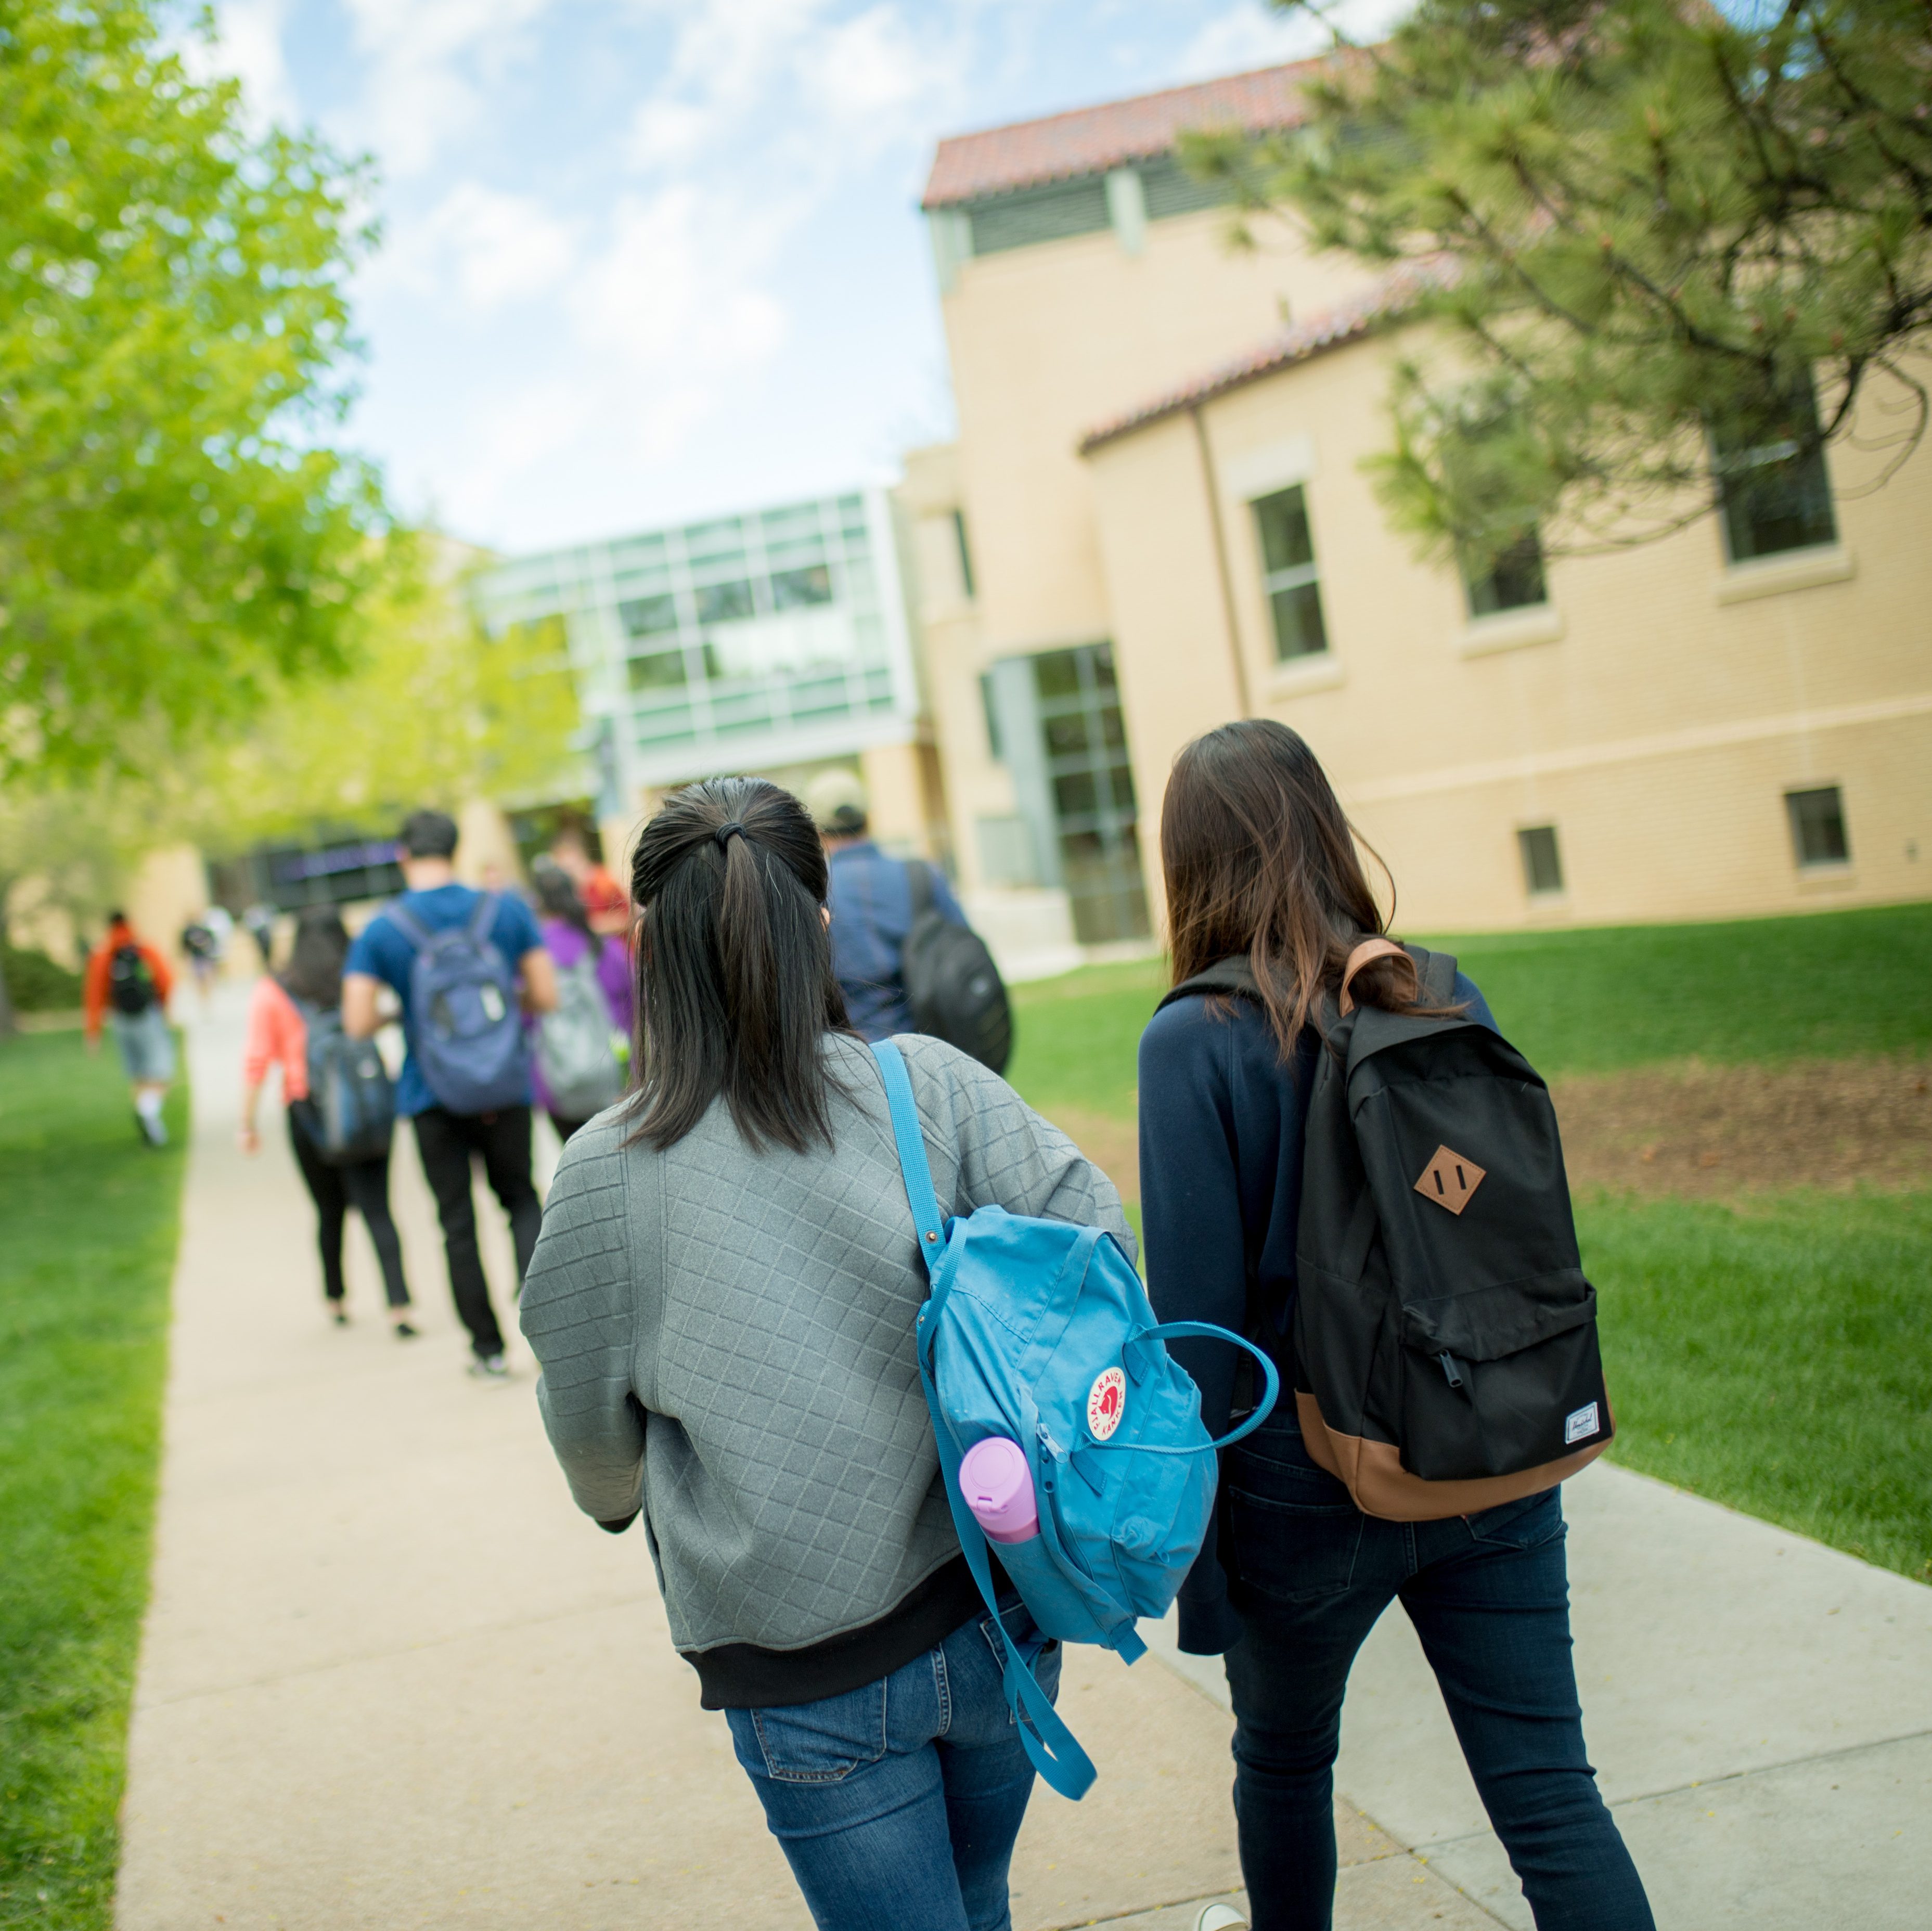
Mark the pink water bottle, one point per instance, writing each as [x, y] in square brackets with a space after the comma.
[997, 1485]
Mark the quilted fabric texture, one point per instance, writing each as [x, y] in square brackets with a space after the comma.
[727, 1340]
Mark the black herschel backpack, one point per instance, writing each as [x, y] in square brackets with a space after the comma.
[1446, 1337]
[952, 984]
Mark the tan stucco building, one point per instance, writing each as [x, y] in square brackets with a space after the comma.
[1155, 519]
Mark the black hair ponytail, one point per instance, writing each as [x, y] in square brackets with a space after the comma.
[734, 968]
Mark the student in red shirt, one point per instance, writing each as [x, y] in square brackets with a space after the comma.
[278, 1036]
[127, 984]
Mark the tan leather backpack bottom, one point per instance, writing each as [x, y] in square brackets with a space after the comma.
[1381, 1486]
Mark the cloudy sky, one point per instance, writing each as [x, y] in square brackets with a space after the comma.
[644, 259]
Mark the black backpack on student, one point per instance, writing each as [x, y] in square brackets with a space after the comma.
[952, 984]
[131, 981]
[350, 1113]
[1445, 1339]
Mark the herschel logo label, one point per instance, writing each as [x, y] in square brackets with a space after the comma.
[1580, 1425]
[1451, 1178]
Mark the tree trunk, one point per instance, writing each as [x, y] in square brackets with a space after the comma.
[8, 1026]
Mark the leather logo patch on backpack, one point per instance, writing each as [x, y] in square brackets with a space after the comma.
[1449, 1179]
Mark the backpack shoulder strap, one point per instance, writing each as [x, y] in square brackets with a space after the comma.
[919, 877]
[1437, 972]
[1228, 975]
[483, 918]
[914, 1169]
[406, 923]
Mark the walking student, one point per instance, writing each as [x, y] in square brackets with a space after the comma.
[1262, 865]
[279, 1035]
[576, 951]
[460, 963]
[872, 909]
[601, 896]
[127, 985]
[723, 1302]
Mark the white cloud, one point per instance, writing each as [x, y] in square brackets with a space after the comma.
[1252, 35]
[431, 65]
[248, 46]
[490, 247]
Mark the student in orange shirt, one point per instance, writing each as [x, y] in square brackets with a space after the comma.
[605, 902]
[127, 984]
[278, 1036]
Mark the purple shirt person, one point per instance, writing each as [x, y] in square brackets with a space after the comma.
[568, 940]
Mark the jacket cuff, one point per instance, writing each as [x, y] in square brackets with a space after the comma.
[618, 1527]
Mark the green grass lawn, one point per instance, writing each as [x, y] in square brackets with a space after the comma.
[1762, 991]
[88, 1223]
[1776, 1354]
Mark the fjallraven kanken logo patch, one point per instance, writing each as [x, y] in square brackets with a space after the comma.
[1106, 1402]
[1450, 1179]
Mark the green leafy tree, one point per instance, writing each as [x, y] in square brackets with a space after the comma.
[177, 534]
[1647, 230]
[434, 713]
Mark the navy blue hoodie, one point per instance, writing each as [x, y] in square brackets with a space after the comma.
[1222, 1120]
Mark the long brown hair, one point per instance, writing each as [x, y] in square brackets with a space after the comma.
[1261, 863]
[734, 966]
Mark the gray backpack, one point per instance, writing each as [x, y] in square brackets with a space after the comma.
[575, 1051]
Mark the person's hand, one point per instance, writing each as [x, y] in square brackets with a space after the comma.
[248, 1140]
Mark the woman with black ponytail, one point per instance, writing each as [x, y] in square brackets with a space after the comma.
[723, 1301]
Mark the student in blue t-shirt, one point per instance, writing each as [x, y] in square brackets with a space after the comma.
[383, 954]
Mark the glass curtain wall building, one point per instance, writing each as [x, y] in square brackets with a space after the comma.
[772, 638]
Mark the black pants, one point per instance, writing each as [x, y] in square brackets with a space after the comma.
[447, 1141]
[1489, 1596]
[566, 1128]
[365, 1187]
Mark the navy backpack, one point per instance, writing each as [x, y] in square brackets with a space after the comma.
[1040, 1331]
[350, 1112]
[467, 1028]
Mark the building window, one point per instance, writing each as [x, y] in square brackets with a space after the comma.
[990, 709]
[724, 603]
[1542, 863]
[1091, 789]
[1290, 578]
[1775, 490]
[1514, 580]
[648, 616]
[798, 590]
[965, 553]
[1818, 826]
[1023, 219]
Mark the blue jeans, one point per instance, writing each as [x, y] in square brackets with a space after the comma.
[1488, 1595]
[897, 1804]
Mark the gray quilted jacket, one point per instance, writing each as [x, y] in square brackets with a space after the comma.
[727, 1340]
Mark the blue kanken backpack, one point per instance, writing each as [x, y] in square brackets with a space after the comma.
[467, 1028]
[1040, 1331]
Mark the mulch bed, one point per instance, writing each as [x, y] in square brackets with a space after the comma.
[1699, 1131]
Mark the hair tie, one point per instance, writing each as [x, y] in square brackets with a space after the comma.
[725, 833]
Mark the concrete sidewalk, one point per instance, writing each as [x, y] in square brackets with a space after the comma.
[389, 1677]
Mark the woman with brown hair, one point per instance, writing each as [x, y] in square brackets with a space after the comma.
[1262, 865]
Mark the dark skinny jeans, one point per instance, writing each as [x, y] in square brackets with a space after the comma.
[365, 1187]
[1488, 1595]
[447, 1142]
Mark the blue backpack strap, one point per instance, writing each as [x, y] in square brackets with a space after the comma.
[1049, 1744]
[910, 1139]
[483, 918]
[412, 928]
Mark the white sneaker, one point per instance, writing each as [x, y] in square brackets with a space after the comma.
[489, 1367]
[1219, 1917]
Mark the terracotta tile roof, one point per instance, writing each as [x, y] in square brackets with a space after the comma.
[1361, 315]
[1090, 140]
